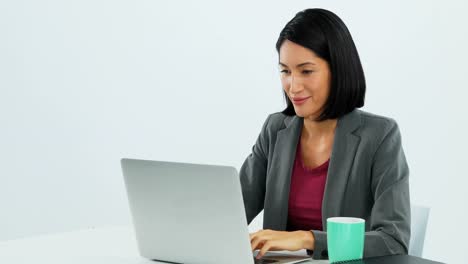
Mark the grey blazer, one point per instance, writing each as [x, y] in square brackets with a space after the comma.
[367, 178]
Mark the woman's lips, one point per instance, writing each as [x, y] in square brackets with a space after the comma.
[299, 100]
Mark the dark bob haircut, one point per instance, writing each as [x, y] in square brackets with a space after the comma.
[327, 36]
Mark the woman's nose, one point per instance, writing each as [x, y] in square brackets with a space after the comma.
[295, 86]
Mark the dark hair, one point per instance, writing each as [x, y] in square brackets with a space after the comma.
[327, 36]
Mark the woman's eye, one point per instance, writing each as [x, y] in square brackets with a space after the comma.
[303, 72]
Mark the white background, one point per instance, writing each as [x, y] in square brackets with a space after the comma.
[85, 83]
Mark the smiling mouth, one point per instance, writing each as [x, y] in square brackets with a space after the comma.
[298, 101]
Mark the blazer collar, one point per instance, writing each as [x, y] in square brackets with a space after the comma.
[291, 120]
[349, 122]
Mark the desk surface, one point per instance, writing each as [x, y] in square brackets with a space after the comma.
[116, 245]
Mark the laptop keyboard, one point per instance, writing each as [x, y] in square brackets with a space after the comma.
[264, 261]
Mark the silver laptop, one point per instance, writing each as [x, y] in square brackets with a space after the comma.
[190, 213]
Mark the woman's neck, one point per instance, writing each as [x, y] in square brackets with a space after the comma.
[318, 129]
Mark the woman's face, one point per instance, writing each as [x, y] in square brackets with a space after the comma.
[305, 78]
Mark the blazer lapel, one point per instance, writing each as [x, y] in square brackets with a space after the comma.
[279, 180]
[344, 148]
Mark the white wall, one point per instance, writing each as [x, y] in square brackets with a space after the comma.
[84, 83]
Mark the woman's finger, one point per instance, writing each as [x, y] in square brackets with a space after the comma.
[266, 246]
[254, 234]
[257, 243]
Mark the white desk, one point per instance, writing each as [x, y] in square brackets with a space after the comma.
[116, 245]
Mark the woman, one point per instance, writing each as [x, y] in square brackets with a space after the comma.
[322, 157]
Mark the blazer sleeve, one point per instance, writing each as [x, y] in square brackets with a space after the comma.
[390, 216]
[253, 175]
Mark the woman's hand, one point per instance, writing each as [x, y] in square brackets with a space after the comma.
[266, 240]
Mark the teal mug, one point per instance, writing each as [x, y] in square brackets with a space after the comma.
[345, 238]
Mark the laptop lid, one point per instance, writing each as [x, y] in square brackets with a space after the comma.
[187, 213]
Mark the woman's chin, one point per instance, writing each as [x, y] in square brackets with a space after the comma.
[306, 114]
[301, 113]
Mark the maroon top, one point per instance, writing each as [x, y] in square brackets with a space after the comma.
[306, 194]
